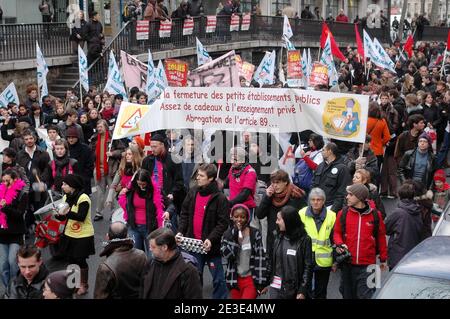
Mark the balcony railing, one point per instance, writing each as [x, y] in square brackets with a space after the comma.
[18, 41]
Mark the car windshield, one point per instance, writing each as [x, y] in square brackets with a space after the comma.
[401, 286]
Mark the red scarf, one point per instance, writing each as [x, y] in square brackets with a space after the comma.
[98, 174]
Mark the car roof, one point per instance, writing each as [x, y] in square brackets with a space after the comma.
[431, 258]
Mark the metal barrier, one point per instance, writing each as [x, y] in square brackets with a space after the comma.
[18, 41]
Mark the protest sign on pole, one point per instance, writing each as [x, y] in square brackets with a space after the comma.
[211, 23]
[265, 72]
[83, 69]
[165, 28]
[234, 23]
[319, 75]
[134, 71]
[294, 69]
[176, 71]
[202, 55]
[42, 70]
[246, 19]
[222, 71]
[142, 29]
[333, 115]
[9, 95]
[128, 119]
[114, 85]
[188, 26]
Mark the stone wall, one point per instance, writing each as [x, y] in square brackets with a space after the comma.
[22, 78]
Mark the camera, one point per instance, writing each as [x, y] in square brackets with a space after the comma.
[344, 257]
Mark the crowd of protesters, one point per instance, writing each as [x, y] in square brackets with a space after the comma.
[279, 235]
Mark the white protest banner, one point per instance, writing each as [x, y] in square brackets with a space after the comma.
[211, 23]
[151, 89]
[83, 69]
[42, 70]
[161, 78]
[188, 26]
[264, 74]
[246, 19]
[221, 72]
[114, 85]
[128, 119]
[134, 71]
[202, 55]
[384, 57]
[327, 59]
[234, 23]
[165, 28]
[142, 29]
[333, 115]
[287, 30]
[9, 95]
[305, 69]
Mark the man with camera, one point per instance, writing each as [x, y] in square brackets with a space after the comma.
[359, 236]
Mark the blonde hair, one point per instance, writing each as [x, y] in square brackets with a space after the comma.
[365, 175]
[136, 161]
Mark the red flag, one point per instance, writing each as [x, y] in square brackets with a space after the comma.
[448, 41]
[359, 42]
[408, 47]
[334, 47]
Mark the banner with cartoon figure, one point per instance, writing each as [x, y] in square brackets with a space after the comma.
[333, 115]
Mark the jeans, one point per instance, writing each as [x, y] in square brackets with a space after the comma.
[139, 235]
[8, 262]
[354, 282]
[102, 191]
[442, 155]
[220, 290]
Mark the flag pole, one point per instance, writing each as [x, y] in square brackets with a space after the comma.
[443, 62]
[403, 48]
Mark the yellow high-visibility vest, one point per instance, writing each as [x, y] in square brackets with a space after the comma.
[321, 245]
[76, 229]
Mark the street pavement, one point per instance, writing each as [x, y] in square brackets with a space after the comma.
[101, 228]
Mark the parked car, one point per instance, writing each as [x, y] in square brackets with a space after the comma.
[442, 227]
[424, 273]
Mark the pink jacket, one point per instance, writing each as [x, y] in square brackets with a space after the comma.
[8, 194]
[156, 201]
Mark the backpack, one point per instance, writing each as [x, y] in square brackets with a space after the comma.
[303, 175]
[376, 224]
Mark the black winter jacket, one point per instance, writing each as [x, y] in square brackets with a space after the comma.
[19, 289]
[215, 220]
[267, 209]
[406, 167]
[174, 279]
[404, 226]
[298, 266]
[333, 179]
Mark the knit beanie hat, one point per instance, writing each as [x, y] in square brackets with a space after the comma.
[359, 190]
[158, 137]
[57, 282]
[73, 181]
[72, 131]
[424, 135]
[440, 175]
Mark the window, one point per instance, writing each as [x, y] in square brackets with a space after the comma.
[401, 286]
[352, 10]
[279, 5]
[247, 5]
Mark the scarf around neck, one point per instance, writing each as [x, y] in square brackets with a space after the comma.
[101, 146]
[291, 191]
